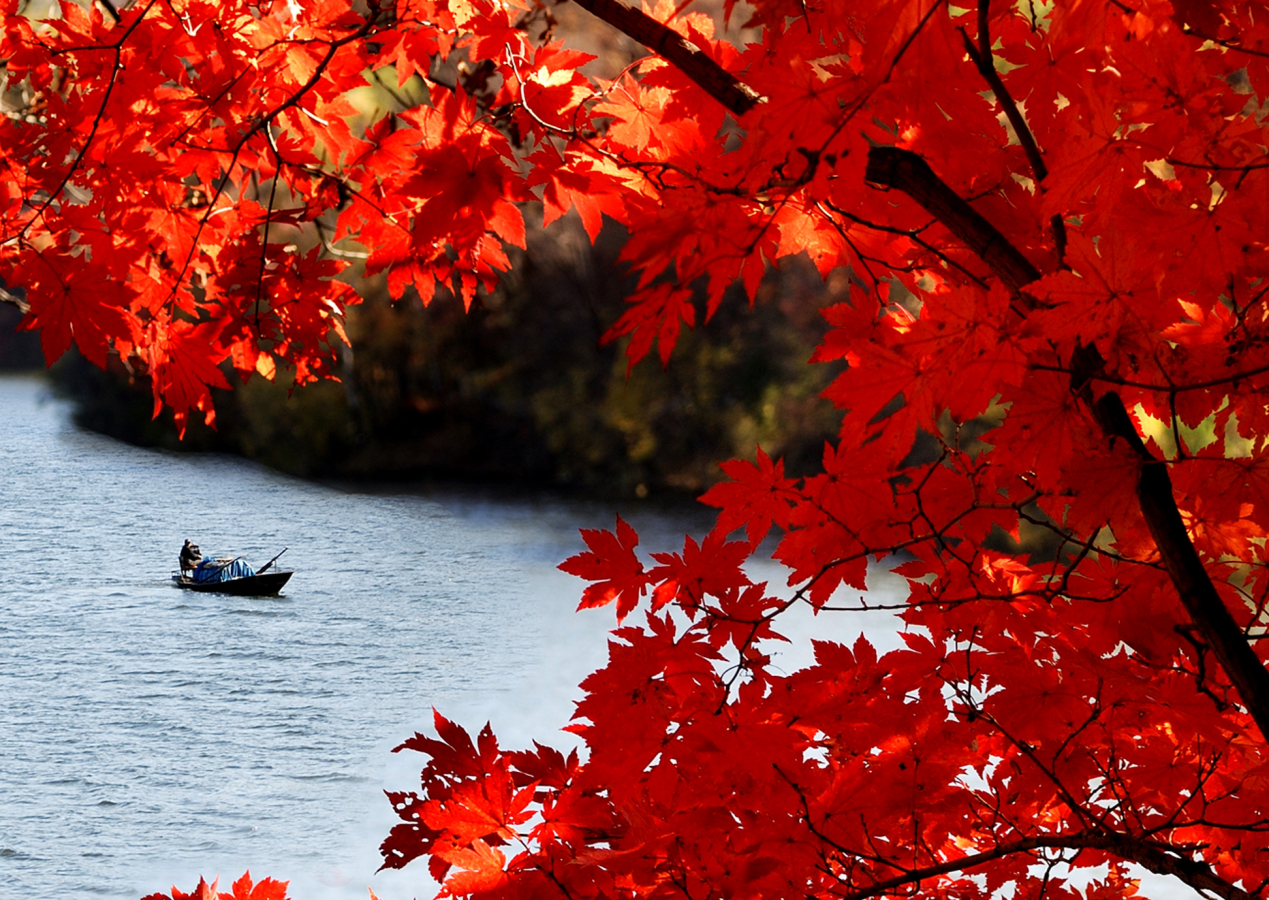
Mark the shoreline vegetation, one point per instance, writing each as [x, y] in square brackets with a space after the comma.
[519, 390]
[19, 350]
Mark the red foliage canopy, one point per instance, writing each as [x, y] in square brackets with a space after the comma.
[1054, 218]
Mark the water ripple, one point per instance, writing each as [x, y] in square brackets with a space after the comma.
[148, 736]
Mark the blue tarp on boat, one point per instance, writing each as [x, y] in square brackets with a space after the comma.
[211, 570]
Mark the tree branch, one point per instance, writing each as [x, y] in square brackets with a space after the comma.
[904, 170]
[983, 60]
[1208, 612]
[1149, 854]
[737, 97]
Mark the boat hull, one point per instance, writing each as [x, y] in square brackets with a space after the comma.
[252, 586]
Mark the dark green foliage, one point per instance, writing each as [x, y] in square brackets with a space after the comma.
[520, 389]
[18, 349]
[306, 433]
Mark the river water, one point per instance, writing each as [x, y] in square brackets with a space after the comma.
[149, 735]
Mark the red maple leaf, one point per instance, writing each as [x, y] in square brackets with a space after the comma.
[612, 564]
[757, 497]
[266, 889]
[481, 869]
[710, 567]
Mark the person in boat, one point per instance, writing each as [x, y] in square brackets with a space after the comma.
[191, 556]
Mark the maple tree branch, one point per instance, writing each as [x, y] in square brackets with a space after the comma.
[1200, 657]
[736, 96]
[262, 124]
[1216, 167]
[911, 234]
[1030, 752]
[1208, 612]
[117, 49]
[1149, 854]
[983, 60]
[268, 218]
[1232, 378]
[111, 10]
[903, 170]
[892, 167]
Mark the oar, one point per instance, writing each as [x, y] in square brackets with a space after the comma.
[266, 566]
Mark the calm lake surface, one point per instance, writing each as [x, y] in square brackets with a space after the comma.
[149, 735]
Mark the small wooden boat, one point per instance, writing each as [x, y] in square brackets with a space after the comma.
[231, 576]
[259, 585]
